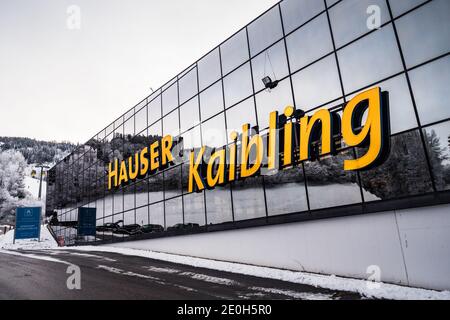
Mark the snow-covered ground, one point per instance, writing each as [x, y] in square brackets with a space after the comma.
[46, 241]
[366, 288]
[32, 186]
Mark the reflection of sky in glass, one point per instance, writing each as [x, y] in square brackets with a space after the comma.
[209, 69]
[309, 43]
[238, 85]
[430, 86]
[211, 101]
[264, 31]
[349, 19]
[425, 32]
[317, 84]
[188, 85]
[399, 7]
[234, 51]
[189, 114]
[369, 59]
[297, 12]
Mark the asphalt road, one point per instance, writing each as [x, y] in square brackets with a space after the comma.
[115, 276]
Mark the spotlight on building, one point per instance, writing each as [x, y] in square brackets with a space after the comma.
[268, 83]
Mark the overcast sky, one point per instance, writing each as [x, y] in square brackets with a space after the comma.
[60, 82]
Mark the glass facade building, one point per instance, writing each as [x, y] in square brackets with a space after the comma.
[322, 53]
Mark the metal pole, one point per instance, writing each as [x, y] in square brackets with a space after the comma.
[40, 183]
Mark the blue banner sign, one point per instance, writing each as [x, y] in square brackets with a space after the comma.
[86, 221]
[28, 223]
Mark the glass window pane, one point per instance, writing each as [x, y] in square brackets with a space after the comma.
[349, 19]
[425, 32]
[191, 140]
[402, 116]
[154, 110]
[248, 199]
[285, 191]
[188, 85]
[211, 101]
[272, 63]
[170, 124]
[234, 51]
[174, 212]
[155, 188]
[155, 130]
[118, 201]
[404, 173]
[189, 114]
[142, 216]
[297, 12]
[309, 43]
[437, 139]
[157, 214]
[218, 205]
[209, 69]
[430, 89]
[129, 126]
[172, 182]
[238, 85]
[329, 185]
[141, 191]
[129, 218]
[399, 7]
[317, 84]
[109, 205]
[331, 2]
[213, 132]
[170, 98]
[264, 31]
[241, 114]
[275, 99]
[194, 208]
[141, 120]
[369, 59]
[128, 198]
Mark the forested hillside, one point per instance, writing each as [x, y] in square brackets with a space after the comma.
[35, 151]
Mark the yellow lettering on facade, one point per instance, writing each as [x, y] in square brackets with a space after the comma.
[144, 163]
[233, 157]
[166, 146]
[194, 176]
[113, 174]
[217, 159]
[154, 156]
[307, 125]
[272, 143]
[255, 144]
[123, 177]
[287, 148]
[133, 168]
[371, 130]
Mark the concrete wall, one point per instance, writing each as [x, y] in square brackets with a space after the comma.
[411, 247]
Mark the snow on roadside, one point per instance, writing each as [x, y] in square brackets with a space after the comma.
[366, 288]
[46, 241]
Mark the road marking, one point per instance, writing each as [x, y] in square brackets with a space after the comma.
[126, 273]
[211, 279]
[294, 294]
[163, 270]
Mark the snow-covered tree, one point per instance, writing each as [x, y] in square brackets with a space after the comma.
[12, 186]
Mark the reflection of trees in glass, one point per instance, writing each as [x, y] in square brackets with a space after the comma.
[438, 157]
[404, 173]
